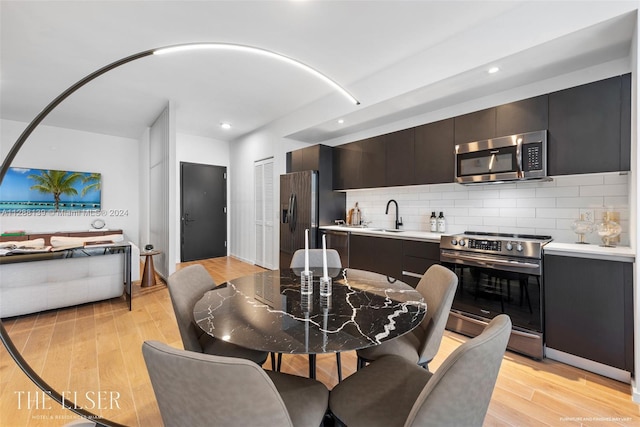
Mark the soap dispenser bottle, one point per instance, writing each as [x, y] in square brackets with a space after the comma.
[442, 225]
[433, 224]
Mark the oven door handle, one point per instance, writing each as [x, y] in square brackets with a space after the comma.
[489, 262]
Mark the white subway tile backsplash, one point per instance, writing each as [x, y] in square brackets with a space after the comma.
[536, 222]
[523, 207]
[475, 203]
[519, 193]
[500, 203]
[579, 202]
[499, 222]
[558, 213]
[489, 194]
[579, 180]
[454, 195]
[518, 212]
[615, 201]
[572, 191]
[604, 190]
[549, 202]
[617, 178]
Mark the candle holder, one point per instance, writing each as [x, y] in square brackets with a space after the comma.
[325, 286]
[325, 302]
[306, 282]
[306, 303]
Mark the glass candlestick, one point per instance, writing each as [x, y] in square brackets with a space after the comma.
[306, 303]
[306, 282]
[325, 286]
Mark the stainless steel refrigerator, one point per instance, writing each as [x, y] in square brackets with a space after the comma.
[299, 211]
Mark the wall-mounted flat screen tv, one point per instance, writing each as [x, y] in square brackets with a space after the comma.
[25, 190]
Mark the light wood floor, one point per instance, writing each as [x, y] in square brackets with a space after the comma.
[94, 351]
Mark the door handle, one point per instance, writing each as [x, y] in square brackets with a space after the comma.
[186, 219]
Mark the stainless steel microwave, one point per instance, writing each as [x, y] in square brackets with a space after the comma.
[508, 158]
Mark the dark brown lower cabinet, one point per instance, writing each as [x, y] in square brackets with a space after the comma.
[417, 257]
[378, 254]
[589, 309]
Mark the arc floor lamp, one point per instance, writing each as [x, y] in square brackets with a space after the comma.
[4, 336]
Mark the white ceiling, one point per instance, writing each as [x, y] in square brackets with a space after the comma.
[399, 58]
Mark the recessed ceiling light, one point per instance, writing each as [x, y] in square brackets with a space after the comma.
[341, 121]
[493, 70]
[225, 125]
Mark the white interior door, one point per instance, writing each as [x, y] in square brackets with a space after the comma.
[264, 214]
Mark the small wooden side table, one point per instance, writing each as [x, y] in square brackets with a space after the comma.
[149, 272]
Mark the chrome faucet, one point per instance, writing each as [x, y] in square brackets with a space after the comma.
[398, 219]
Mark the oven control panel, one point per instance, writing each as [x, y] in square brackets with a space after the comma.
[504, 247]
[486, 245]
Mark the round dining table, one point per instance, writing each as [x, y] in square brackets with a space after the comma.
[266, 311]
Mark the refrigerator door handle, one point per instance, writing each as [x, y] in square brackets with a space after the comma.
[292, 212]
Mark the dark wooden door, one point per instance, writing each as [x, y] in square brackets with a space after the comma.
[203, 211]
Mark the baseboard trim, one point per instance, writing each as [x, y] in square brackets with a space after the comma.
[591, 366]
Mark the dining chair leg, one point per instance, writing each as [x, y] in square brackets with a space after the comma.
[339, 363]
[279, 362]
[273, 361]
[312, 366]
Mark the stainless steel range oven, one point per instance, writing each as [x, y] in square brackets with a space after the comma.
[498, 273]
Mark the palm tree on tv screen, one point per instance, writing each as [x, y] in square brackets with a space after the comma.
[93, 181]
[56, 183]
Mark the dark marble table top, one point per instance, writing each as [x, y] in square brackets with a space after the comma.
[267, 312]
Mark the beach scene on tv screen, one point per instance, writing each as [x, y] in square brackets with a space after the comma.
[25, 189]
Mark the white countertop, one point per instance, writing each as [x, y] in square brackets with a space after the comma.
[619, 253]
[378, 232]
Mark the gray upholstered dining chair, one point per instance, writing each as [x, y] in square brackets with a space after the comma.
[316, 264]
[315, 259]
[438, 287]
[393, 391]
[195, 389]
[186, 287]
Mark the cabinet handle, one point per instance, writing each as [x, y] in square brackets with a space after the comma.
[410, 274]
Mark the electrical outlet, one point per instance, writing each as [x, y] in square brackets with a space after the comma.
[587, 214]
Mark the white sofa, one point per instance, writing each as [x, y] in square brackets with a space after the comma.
[30, 287]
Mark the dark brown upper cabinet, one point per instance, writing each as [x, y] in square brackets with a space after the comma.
[528, 115]
[586, 128]
[475, 126]
[304, 159]
[374, 162]
[434, 152]
[347, 159]
[400, 153]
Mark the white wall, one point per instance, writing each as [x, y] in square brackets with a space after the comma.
[207, 151]
[244, 153]
[115, 158]
[634, 203]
